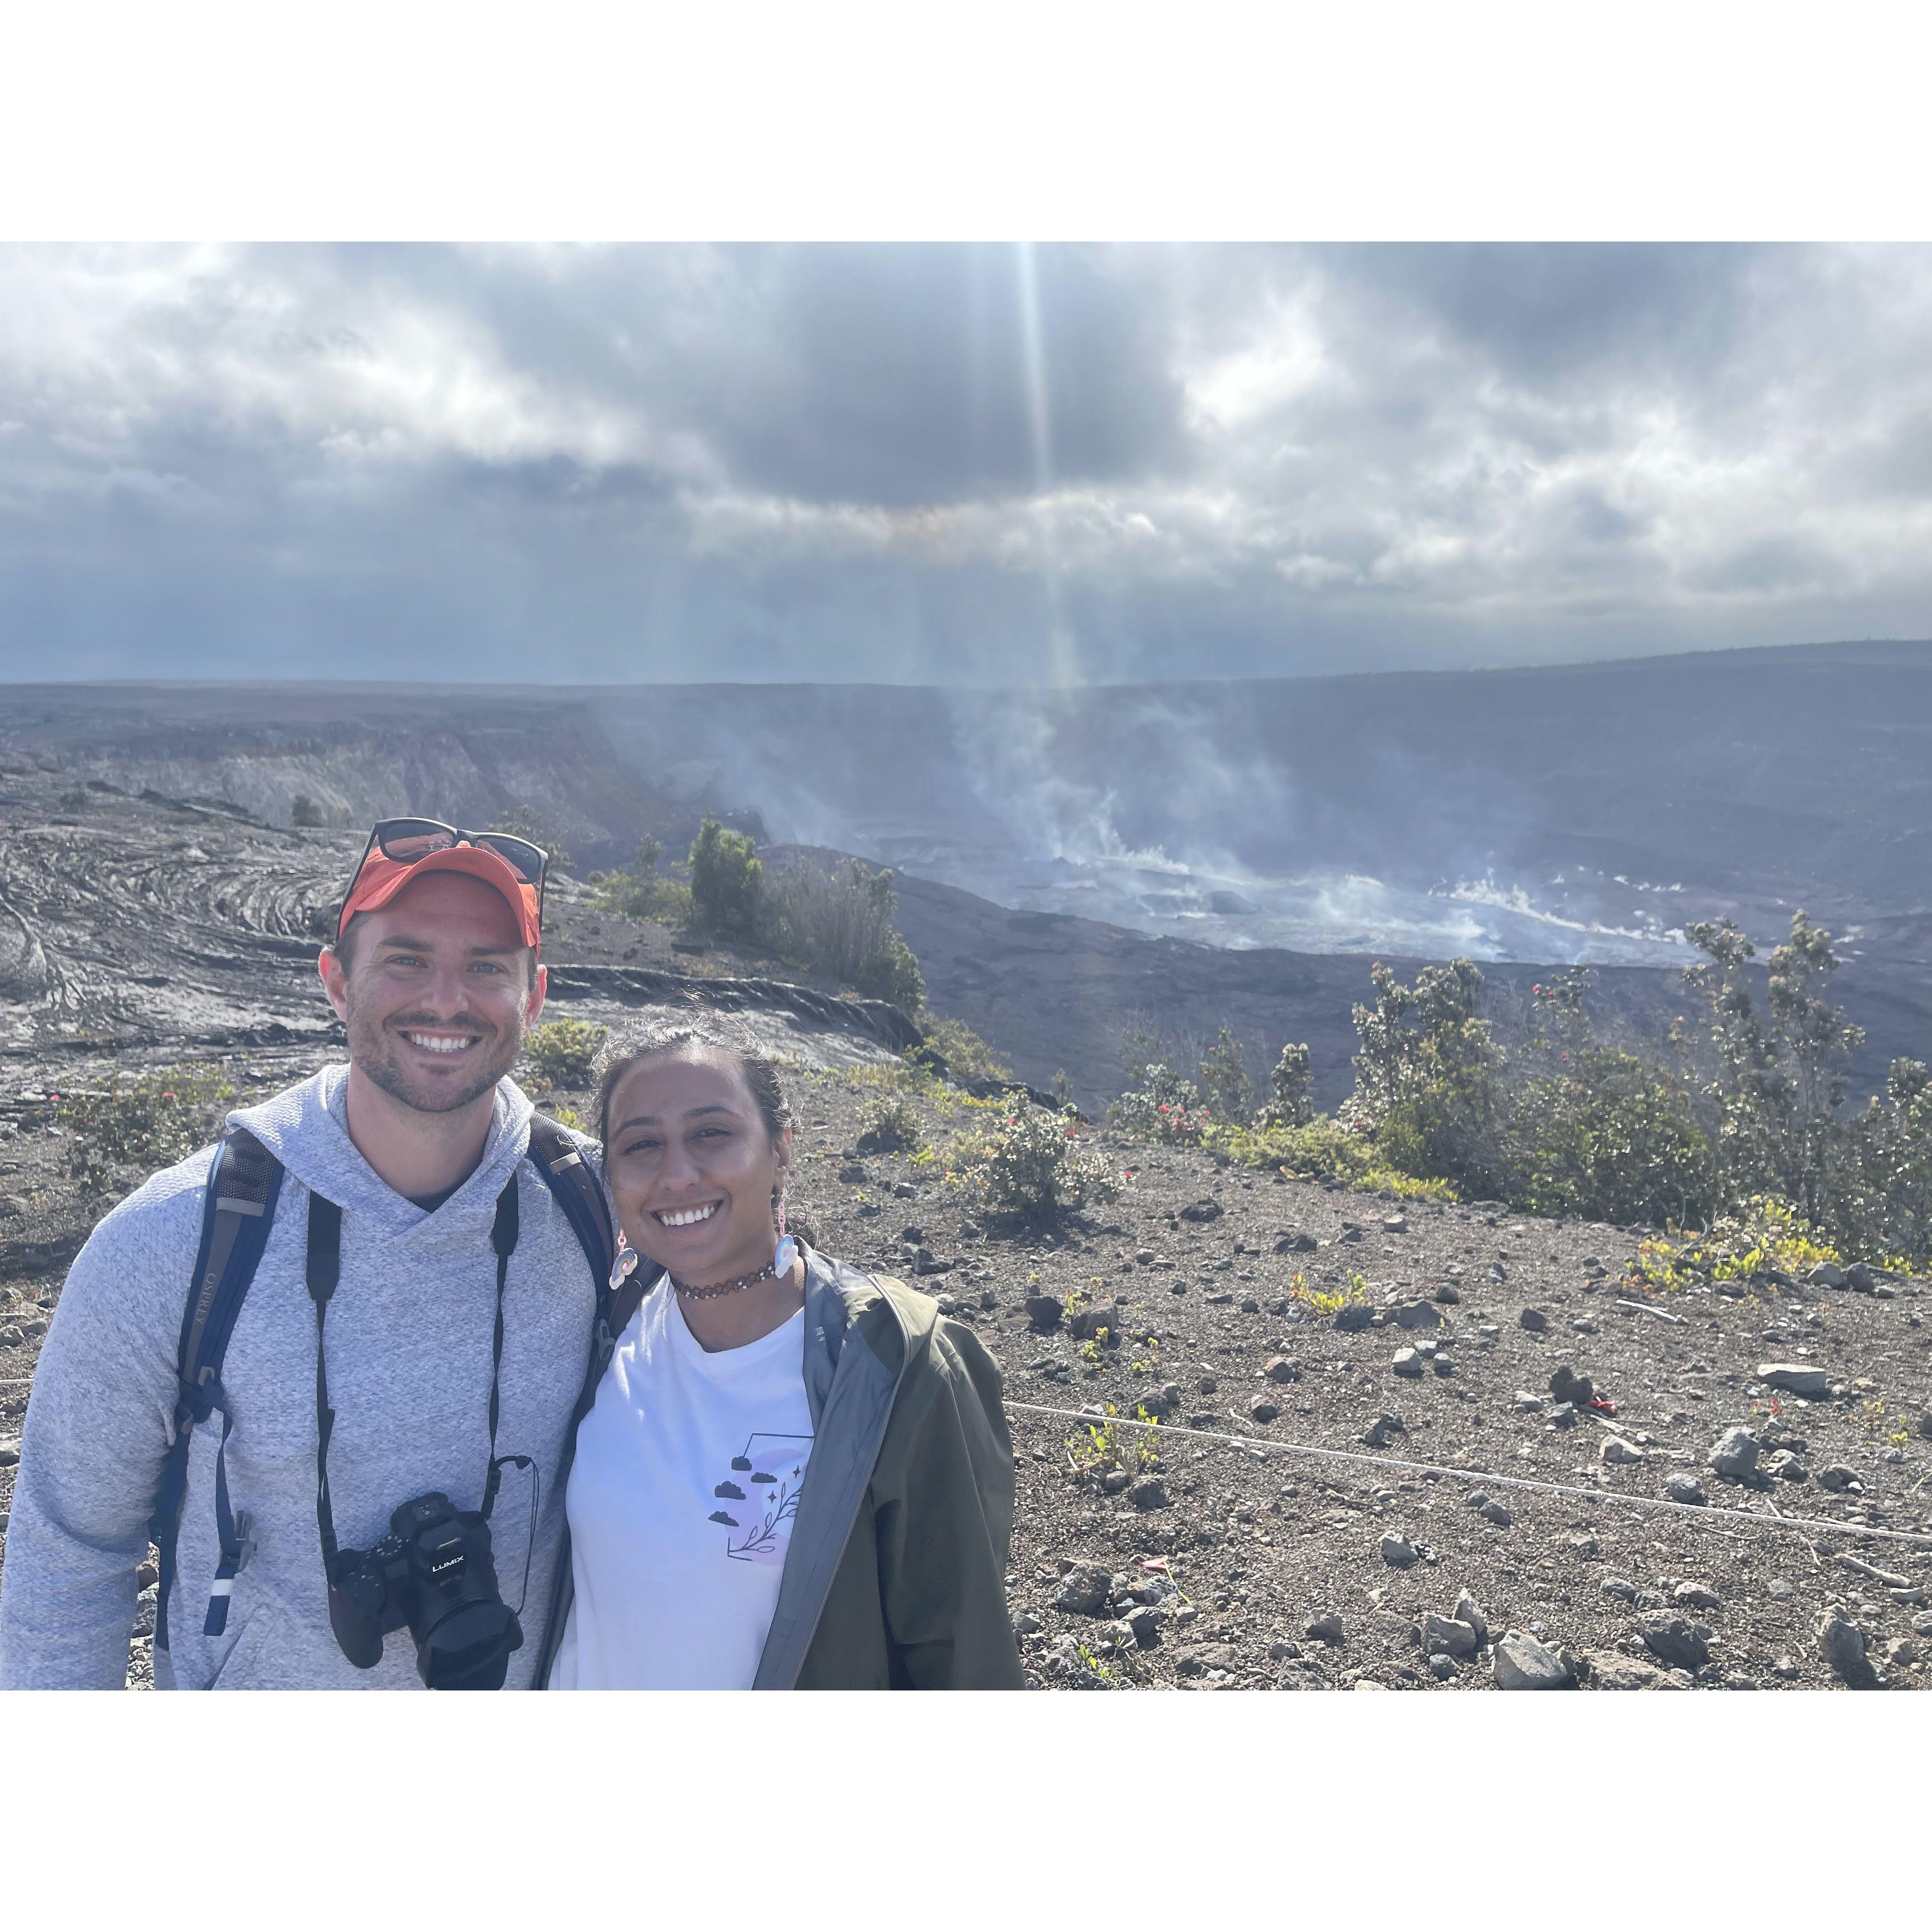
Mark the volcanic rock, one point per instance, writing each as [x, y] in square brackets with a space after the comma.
[1842, 1644]
[1677, 1640]
[1795, 1378]
[1198, 1659]
[1467, 1612]
[1521, 1664]
[1566, 1385]
[1447, 1634]
[1734, 1454]
[1083, 1590]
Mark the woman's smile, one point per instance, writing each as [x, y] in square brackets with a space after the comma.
[686, 1217]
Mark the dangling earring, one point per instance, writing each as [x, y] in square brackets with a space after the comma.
[626, 1261]
[786, 1252]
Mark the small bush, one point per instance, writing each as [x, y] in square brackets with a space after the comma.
[303, 810]
[152, 1122]
[837, 921]
[1426, 1079]
[563, 1053]
[890, 1127]
[1768, 1236]
[1330, 1301]
[727, 884]
[1165, 1107]
[1106, 1444]
[965, 1053]
[1224, 1078]
[635, 896]
[1037, 1167]
[1289, 1104]
[1322, 1148]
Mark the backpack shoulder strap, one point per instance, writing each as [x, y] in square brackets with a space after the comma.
[568, 1177]
[245, 1181]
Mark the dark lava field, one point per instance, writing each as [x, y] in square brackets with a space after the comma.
[1439, 1352]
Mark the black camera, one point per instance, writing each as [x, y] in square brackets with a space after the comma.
[434, 1572]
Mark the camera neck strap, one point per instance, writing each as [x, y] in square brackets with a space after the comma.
[325, 1270]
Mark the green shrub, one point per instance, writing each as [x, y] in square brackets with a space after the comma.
[966, 1054]
[727, 884]
[635, 896]
[1426, 1079]
[1165, 1107]
[1598, 1133]
[891, 1126]
[893, 973]
[1035, 1166]
[1224, 1078]
[563, 1053]
[1764, 1236]
[303, 810]
[150, 1123]
[1318, 1148]
[1289, 1090]
[837, 920]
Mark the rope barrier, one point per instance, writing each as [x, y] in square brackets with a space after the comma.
[1702, 1512]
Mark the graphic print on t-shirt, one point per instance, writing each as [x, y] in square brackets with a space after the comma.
[759, 1499]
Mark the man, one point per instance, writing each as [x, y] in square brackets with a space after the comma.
[421, 1143]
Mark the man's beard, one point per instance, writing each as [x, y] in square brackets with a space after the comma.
[372, 1049]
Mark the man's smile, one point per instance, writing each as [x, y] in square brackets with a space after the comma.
[442, 1043]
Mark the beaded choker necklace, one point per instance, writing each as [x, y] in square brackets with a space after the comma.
[717, 1288]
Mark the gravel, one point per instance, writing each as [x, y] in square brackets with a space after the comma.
[1252, 1546]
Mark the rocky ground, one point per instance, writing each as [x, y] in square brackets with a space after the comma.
[140, 931]
[1237, 1566]
[1221, 1564]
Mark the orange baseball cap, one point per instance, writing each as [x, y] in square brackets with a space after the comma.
[382, 877]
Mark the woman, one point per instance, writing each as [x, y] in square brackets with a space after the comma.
[793, 1475]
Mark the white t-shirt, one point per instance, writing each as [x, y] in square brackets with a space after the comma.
[681, 1503]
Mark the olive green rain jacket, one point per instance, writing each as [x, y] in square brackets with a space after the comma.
[896, 1577]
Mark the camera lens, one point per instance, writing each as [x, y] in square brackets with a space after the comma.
[469, 1649]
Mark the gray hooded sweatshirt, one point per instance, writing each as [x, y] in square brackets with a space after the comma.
[409, 1346]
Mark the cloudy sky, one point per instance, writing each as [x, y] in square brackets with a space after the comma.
[977, 465]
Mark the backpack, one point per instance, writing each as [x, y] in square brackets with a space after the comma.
[238, 1210]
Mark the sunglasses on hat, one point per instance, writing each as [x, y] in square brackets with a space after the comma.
[407, 842]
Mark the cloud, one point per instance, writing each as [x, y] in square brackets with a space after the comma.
[961, 464]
